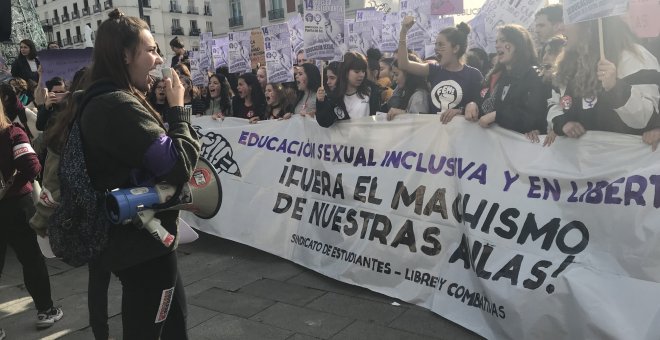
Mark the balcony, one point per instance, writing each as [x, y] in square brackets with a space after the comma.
[146, 3]
[207, 10]
[97, 8]
[77, 39]
[107, 4]
[85, 11]
[236, 21]
[55, 21]
[75, 15]
[193, 10]
[194, 32]
[175, 8]
[65, 18]
[46, 23]
[276, 14]
[66, 42]
[178, 30]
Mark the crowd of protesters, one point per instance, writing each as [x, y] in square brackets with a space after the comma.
[560, 86]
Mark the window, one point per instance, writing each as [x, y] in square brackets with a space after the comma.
[209, 26]
[235, 8]
[75, 8]
[275, 4]
[78, 31]
[147, 19]
[68, 34]
[176, 23]
[193, 24]
[59, 38]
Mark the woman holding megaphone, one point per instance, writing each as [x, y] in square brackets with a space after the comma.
[126, 145]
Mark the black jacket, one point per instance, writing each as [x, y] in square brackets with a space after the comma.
[520, 100]
[21, 69]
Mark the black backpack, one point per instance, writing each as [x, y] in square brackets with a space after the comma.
[78, 229]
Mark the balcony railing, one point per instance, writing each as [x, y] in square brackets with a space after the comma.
[107, 4]
[175, 8]
[236, 21]
[177, 30]
[194, 32]
[276, 14]
[207, 10]
[77, 39]
[46, 23]
[56, 21]
[85, 11]
[75, 15]
[97, 8]
[66, 41]
[193, 10]
[65, 17]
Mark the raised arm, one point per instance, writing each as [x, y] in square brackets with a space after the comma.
[406, 65]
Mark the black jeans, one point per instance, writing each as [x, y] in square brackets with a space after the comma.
[97, 299]
[16, 231]
[153, 303]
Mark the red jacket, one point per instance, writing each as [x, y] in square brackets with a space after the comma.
[17, 155]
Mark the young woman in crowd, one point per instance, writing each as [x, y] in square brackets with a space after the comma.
[50, 101]
[262, 77]
[126, 145]
[453, 83]
[279, 101]
[250, 101]
[157, 97]
[601, 94]
[351, 97]
[514, 96]
[193, 99]
[308, 80]
[27, 64]
[180, 53]
[331, 75]
[220, 96]
[414, 91]
[18, 167]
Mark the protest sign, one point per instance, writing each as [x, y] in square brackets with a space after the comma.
[239, 51]
[391, 29]
[257, 56]
[359, 36]
[296, 29]
[583, 10]
[375, 19]
[496, 13]
[446, 7]
[437, 25]
[512, 241]
[63, 62]
[277, 44]
[198, 75]
[220, 51]
[384, 6]
[324, 29]
[418, 35]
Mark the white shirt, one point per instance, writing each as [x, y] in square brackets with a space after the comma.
[33, 65]
[357, 107]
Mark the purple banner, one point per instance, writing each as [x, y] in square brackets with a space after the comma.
[64, 62]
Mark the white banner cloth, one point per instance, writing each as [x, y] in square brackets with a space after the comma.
[500, 235]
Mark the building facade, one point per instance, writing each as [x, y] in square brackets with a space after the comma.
[64, 21]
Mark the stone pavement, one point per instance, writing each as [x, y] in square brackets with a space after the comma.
[234, 292]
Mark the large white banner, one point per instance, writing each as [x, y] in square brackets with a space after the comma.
[500, 235]
[324, 29]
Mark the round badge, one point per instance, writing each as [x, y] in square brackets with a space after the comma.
[200, 178]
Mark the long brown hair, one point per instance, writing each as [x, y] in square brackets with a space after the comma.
[524, 54]
[4, 120]
[117, 34]
[578, 63]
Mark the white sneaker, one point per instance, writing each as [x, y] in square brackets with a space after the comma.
[47, 318]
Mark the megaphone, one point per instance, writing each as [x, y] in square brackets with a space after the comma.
[201, 195]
